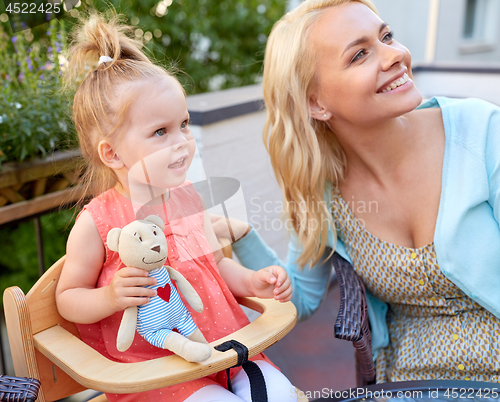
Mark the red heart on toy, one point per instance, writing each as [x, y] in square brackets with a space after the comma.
[164, 292]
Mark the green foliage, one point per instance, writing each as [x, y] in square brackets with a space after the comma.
[20, 267]
[34, 114]
[218, 44]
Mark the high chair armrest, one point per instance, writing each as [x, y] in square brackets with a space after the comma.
[91, 369]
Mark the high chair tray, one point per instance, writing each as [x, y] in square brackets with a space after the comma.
[92, 370]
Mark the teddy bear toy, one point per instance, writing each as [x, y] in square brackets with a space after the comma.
[142, 244]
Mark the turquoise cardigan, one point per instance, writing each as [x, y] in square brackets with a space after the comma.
[467, 233]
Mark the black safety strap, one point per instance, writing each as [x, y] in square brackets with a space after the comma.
[258, 389]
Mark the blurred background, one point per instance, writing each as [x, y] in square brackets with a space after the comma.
[219, 47]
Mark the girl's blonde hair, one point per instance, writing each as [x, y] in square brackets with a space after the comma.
[101, 100]
[304, 152]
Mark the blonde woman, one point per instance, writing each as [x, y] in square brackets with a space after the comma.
[412, 191]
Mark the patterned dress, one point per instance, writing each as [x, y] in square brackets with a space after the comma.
[436, 331]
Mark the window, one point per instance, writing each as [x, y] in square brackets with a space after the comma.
[480, 20]
[480, 26]
[472, 25]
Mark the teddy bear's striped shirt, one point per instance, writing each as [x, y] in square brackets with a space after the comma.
[164, 312]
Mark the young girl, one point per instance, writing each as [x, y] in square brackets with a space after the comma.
[133, 127]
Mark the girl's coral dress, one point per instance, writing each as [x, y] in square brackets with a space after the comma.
[190, 254]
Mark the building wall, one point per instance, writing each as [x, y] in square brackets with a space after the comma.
[451, 45]
[409, 21]
[459, 84]
[227, 126]
[234, 148]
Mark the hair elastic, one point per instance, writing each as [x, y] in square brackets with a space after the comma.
[104, 59]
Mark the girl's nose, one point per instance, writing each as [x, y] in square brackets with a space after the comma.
[179, 140]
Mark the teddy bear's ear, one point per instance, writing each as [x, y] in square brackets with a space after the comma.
[156, 220]
[113, 239]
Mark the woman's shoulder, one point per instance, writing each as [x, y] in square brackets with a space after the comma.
[469, 122]
[466, 108]
[469, 105]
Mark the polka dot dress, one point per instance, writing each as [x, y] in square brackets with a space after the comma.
[436, 331]
[190, 254]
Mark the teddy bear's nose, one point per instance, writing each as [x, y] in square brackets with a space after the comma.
[156, 248]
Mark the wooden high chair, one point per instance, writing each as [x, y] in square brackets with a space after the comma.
[46, 346]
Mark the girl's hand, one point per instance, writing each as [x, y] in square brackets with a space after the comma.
[223, 227]
[127, 288]
[274, 282]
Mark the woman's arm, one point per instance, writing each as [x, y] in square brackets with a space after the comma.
[78, 299]
[309, 284]
[492, 162]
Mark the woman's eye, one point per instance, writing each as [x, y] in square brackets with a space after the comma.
[358, 55]
[388, 37]
[184, 124]
[160, 132]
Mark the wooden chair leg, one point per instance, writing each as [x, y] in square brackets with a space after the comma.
[22, 346]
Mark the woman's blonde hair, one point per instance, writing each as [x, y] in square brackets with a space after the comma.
[304, 152]
[101, 101]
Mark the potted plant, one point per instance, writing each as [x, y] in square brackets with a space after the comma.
[38, 155]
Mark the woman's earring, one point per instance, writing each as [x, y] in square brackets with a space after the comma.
[325, 115]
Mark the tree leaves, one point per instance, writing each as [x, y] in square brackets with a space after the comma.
[216, 44]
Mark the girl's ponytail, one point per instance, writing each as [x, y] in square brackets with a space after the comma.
[101, 99]
[95, 37]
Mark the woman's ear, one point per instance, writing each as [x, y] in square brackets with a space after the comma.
[108, 155]
[317, 111]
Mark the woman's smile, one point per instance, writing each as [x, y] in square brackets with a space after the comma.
[397, 83]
